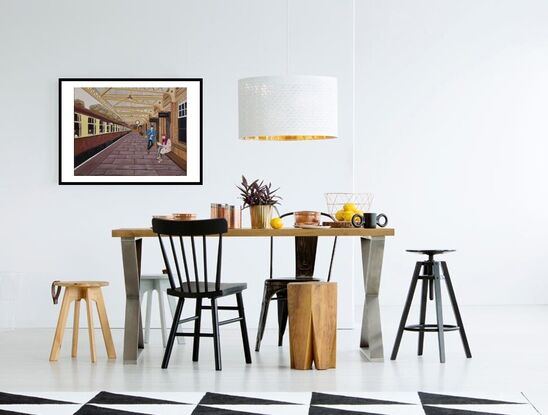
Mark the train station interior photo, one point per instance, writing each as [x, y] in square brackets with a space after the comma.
[111, 126]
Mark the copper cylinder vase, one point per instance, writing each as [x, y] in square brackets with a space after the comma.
[260, 216]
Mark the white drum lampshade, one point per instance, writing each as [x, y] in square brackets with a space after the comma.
[288, 108]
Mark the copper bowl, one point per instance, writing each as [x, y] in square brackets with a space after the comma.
[307, 217]
[177, 216]
[183, 216]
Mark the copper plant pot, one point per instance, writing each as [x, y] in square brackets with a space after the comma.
[260, 216]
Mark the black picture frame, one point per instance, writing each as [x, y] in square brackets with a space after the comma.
[64, 153]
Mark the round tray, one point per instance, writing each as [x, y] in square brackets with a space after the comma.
[338, 224]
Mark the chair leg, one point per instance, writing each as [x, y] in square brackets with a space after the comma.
[171, 338]
[216, 336]
[61, 323]
[424, 301]
[406, 309]
[90, 327]
[262, 319]
[456, 311]
[75, 328]
[105, 326]
[148, 315]
[172, 302]
[282, 315]
[439, 310]
[140, 339]
[161, 305]
[243, 327]
[197, 328]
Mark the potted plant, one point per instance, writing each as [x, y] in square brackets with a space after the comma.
[260, 198]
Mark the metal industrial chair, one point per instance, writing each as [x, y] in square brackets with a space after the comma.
[305, 252]
[431, 279]
[170, 231]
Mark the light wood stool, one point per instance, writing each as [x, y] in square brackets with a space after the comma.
[77, 291]
[312, 324]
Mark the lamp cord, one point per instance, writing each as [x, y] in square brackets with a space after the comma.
[287, 37]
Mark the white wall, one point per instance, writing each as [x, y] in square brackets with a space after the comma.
[52, 232]
[450, 135]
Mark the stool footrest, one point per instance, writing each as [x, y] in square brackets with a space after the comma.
[430, 327]
[426, 277]
[221, 307]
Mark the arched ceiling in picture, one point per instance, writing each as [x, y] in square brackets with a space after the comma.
[129, 105]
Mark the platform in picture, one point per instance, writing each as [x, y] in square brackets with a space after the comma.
[130, 131]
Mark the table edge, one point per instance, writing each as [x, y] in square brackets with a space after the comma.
[257, 233]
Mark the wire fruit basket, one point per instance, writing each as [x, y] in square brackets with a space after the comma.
[336, 201]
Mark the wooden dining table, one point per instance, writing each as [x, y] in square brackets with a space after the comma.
[372, 250]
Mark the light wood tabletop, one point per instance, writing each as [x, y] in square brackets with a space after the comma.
[248, 232]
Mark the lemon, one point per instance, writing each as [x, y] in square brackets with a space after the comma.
[347, 215]
[349, 207]
[361, 212]
[339, 215]
[277, 223]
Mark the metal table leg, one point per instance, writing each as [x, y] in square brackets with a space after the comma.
[133, 328]
[305, 255]
[371, 336]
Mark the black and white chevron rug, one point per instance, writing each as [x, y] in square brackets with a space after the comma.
[266, 403]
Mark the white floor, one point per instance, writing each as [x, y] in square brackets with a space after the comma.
[509, 347]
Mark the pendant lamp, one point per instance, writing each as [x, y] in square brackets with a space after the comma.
[287, 108]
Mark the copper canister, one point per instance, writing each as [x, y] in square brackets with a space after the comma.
[225, 213]
[215, 210]
[235, 221]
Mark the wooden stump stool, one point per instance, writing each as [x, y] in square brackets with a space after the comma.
[77, 291]
[312, 324]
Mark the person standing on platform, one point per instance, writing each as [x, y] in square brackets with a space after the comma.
[151, 134]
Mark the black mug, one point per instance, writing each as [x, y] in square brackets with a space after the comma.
[369, 220]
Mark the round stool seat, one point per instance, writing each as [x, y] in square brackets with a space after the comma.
[154, 277]
[76, 291]
[81, 284]
[430, 252]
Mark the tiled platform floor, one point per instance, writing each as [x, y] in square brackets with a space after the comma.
[129, 157]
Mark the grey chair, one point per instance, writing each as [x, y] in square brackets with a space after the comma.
[159, 283]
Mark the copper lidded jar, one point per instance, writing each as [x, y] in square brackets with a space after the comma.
[307, 217]
[235, 214]
[216, 211]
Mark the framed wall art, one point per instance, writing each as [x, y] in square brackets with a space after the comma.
[130, 131]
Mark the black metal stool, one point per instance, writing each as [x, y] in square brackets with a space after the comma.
[431, 277]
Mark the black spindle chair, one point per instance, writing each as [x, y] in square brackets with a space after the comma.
[171, 235]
